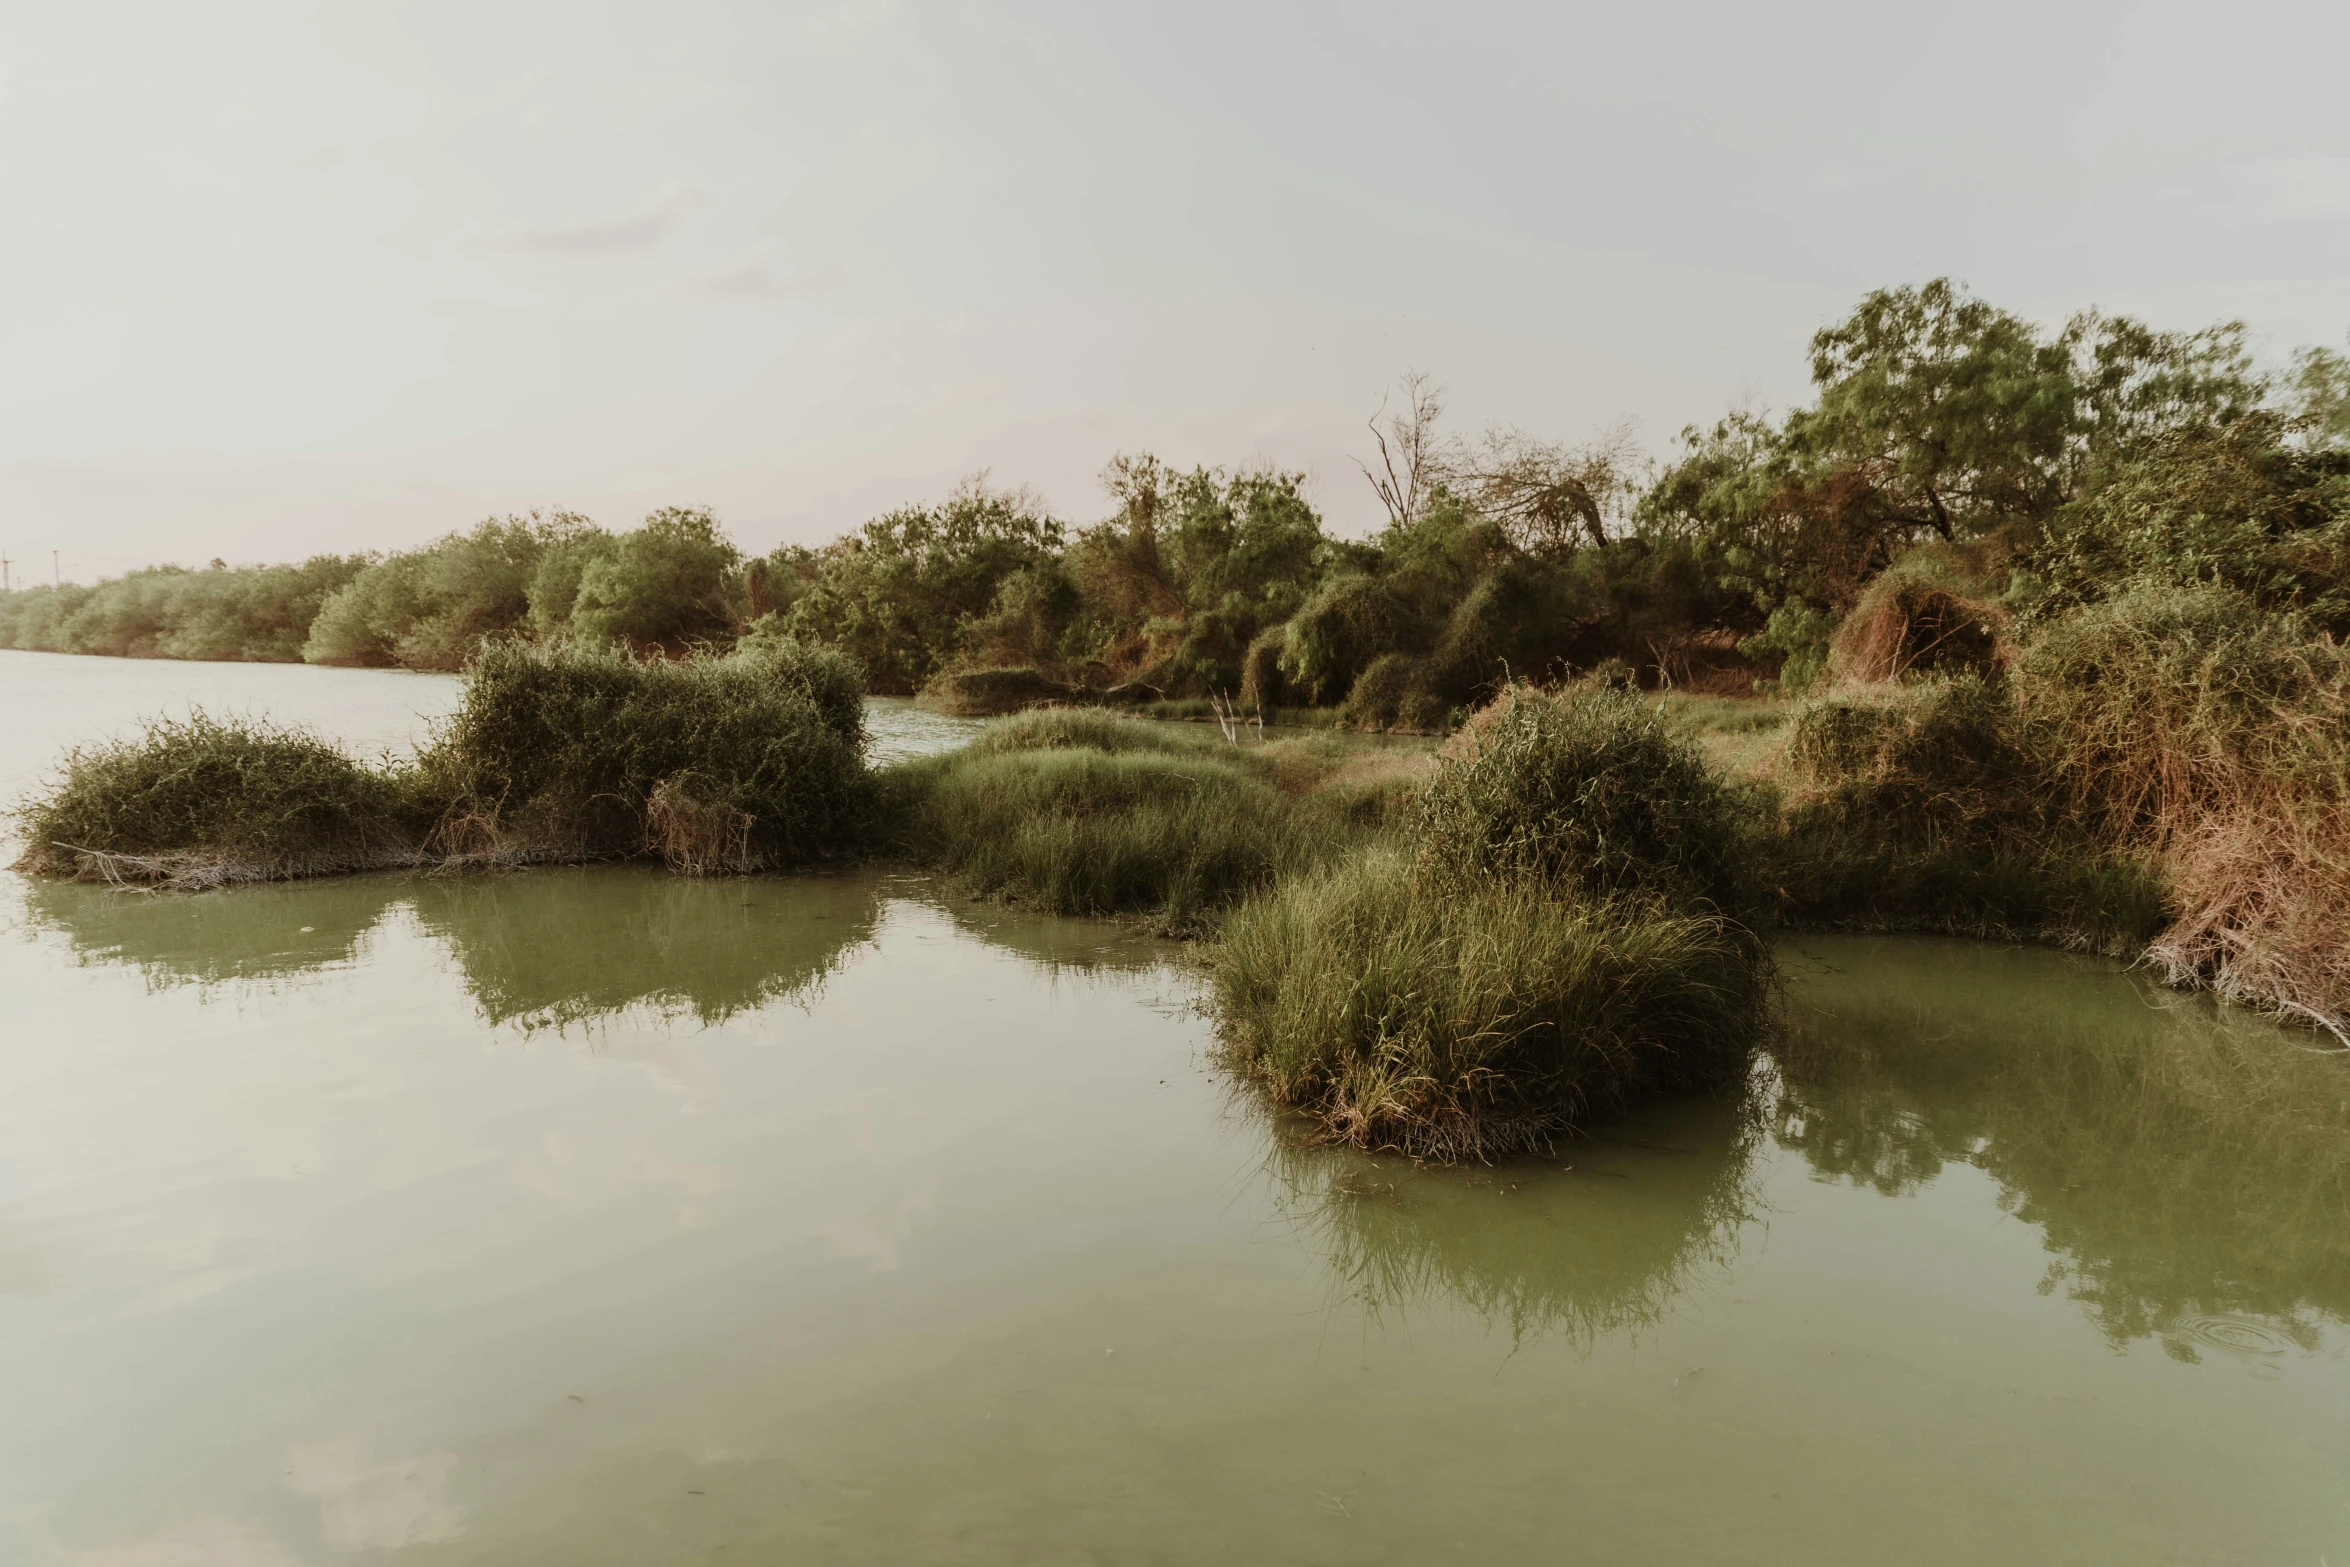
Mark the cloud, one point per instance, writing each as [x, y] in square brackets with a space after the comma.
[638, 232]
[753, 280]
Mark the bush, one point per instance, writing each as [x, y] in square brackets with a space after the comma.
[235, 614]
[1922, 807]
[1337, 635]
[202, 800]
[1262, 685]
[1491, 1015]
[1586, 788]
[2186, 723]
[1906, 624]
[737, 763]
[429, 608]
[986, 693]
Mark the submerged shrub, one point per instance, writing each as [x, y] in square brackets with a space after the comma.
[201, 800]
[739, 763]
[1488, 1016]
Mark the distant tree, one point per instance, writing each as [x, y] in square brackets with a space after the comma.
[667, 584]
[2321, 396]
[1549, 498]
[900, 594]
[1410, 448]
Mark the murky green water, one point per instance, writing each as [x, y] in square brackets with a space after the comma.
[595, 1216]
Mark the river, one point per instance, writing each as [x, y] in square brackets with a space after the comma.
[600, 1216]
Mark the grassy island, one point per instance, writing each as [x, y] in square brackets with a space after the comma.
[2011, 632]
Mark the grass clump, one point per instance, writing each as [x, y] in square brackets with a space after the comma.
[1922, 807]
[202, 801]
[562, 752]
[1561, 933]
[1076, 830]
[1080, 811]
[577, 751]
[1481, 1020]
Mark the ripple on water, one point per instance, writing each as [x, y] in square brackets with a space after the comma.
[2259, 1343]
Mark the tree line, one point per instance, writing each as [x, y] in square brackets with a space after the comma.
[2048, 468]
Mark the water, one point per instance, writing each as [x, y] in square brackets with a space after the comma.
[597, 1216]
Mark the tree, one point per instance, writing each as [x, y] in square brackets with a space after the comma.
[2321, 397]
[1409, 455]
[667, 584]
[1549, 499]
[1951, 410]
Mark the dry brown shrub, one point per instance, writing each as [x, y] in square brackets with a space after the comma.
[694, 836]
[1906, 625]
[2264, 904]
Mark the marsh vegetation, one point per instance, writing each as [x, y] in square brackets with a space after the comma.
[2007, 632]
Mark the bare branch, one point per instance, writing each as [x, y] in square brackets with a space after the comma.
[1407, 475]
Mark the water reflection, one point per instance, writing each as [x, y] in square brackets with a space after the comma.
[2189, 1170]
[555, 949]
[249, 934]
[541, 949]
[1601, 1240]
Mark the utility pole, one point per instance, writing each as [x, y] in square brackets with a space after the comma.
[3, 574]
[55, 579]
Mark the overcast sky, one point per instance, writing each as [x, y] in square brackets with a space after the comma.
[282, 278]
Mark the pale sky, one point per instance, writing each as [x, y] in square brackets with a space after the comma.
[285, 278]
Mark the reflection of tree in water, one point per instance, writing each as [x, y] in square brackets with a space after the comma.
[552, 949]
[538, 949]
[250, 934]
[1601, 1248]
[2189, 1171]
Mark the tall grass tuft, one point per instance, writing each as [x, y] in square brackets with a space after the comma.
[1481, 1019]
[1589, 788]
[1564, 933]
[201, 801]
[1174, 839]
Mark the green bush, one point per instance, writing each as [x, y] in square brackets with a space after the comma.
[1480, 1016]
[670, 584]
[716, 763]
[202, 800]
[255, 614]
[1588, 788]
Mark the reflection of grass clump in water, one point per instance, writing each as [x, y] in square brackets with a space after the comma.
[538, 949]
[262, 934]
[1604, 1248]
[1565, 939]
[2183, 1165]
[560, 948]
[745, 762]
